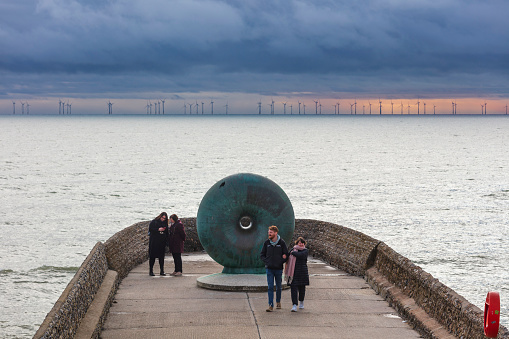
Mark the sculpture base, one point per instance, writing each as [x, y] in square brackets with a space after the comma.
[236, 282]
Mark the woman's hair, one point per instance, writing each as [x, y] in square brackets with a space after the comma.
[161, 215]
[174, 217]
[300, 239]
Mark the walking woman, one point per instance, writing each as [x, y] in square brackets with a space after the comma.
[297, 272]
[176, 243]
[158, 230]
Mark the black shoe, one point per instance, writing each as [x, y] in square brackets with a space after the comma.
[162, 273]
[152, 274]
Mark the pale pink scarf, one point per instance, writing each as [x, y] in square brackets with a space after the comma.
[290, 264]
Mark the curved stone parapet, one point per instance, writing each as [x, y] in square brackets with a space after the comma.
[432, 308]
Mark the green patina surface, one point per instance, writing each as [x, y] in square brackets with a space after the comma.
[260, 203]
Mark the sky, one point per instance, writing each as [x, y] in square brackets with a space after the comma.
[239, 53]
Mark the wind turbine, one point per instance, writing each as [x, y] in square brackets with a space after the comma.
[424, 104]
[506, 109]
[402, 107]
[351, 109]
[260, 107]
[291, 109]
[272, 107]
[304, 105]
[369, 107]
[284, 107]
[337, 103]
[363, 109]
[163, 100]
[299, 106]
[185, 108]
[59, 105]
[70, 108]
[418, 102]
[380, 102]
[211, 107]
[316, 106]
[14, 108]
[196, 107]
[408, 108]
[434, 106]
[28, 108]
[202, 103]
[335, 109]
[485, 112]
[226, 107]
[355, 105]
[482, 109]
[392, 107]
[22, 107]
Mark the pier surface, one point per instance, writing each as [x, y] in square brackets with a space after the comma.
[337, 305]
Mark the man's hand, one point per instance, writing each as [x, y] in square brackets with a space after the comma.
[284, 256]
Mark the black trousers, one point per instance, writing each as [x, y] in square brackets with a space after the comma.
[177, 258]
[152, 261]
[297, 289]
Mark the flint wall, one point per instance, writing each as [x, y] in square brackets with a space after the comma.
[432, 308]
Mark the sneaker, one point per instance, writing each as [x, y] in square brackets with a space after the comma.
[270, 309]
[162, 273]
[278, 306]
[294, 308]
[151, 274]
[173, 273]
[301, 304]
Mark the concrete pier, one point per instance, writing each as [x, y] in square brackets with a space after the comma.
[337, 305]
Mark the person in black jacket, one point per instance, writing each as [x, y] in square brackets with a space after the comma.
[158, 237]
[297, 272]
[274, 254]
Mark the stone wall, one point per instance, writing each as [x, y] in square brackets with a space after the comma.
[349, 250]
[129, 248]
[65, 316]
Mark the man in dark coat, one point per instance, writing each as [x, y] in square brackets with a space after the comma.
[274, 254]
[176, 243]
[158, 236]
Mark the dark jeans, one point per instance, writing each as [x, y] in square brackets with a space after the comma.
[152, 261]
[301, 289]
[177, 258]
[272, 275]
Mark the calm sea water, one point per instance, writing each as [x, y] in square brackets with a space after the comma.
[434, 188]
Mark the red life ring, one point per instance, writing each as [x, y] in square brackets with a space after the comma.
[492, 314]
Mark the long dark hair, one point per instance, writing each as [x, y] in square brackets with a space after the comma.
[161, 215]
[174, 217]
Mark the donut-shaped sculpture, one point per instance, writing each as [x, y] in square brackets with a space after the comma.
[234, 217]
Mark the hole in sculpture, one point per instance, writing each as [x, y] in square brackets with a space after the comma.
[246, 223]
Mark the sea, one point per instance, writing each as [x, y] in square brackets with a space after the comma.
[434, 188]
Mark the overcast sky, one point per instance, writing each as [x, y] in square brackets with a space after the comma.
[131, 49]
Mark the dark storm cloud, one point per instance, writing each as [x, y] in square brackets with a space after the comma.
[197, 43]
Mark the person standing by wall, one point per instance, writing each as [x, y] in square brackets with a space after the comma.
[296, 272]
[176, 243]
[274, 254]
[158, 235]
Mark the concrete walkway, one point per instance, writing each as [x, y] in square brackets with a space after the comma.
[337, 306]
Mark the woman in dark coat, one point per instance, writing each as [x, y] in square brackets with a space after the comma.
[176, 243]
[297, 272]
[158, 236]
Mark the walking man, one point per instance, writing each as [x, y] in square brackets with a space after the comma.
[274, 254]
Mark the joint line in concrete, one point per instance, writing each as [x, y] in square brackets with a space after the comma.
[254, 316]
